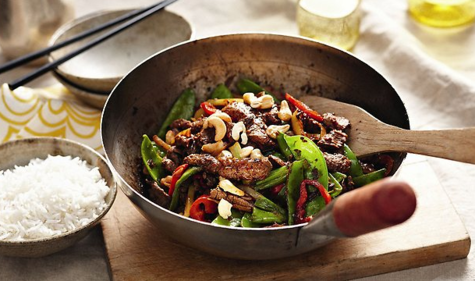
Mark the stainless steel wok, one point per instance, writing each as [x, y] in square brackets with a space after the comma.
[143, 97]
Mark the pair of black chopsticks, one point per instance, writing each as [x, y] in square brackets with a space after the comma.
[129, 19]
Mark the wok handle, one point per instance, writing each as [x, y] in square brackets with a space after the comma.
[373, 207]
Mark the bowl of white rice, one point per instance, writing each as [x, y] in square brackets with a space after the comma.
[52, 193]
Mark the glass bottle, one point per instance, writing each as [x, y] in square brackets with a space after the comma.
[443, 13]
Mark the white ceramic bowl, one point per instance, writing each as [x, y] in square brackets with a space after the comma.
[101, 67]
[20, 152]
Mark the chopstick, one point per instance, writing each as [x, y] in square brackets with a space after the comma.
[35, 55]
[131, 20]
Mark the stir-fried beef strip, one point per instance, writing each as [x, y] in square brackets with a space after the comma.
[245, 169]
[337, 162]
[334, 140]
[232, 169]
[243, 203]
[207, 161]
[158, 195]
[270, 116]
[276, 161]
[181, 124]
[168, 164]
[238, 111]
[335, 122]
[255, 126]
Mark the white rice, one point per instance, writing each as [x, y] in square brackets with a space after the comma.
[49, 197]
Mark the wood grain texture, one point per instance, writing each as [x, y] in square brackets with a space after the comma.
[369, 135]
[139, 251]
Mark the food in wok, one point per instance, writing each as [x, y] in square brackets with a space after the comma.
[245, 158]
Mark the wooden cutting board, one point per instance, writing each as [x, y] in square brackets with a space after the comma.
[137, 250]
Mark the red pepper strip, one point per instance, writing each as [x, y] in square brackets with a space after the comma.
[302, 106]
[202, 206]
[300, 206]
[176, 176]
[326, 196]
[276, 189]
[388, 163]
[208, 108]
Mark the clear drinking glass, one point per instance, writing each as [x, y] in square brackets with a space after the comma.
[335, 22]
[443, 13]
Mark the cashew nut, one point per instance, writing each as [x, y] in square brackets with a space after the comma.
[246, 151]
[284, 113]
[222, 115]
[218, 124]
[225, 154]
[170, 137]
[224, 208]
[214, 148]
[248, 97]
[237, 129]
[263, 102]
[166, 181]
[256, 154]
[228, 186]
[274, 130]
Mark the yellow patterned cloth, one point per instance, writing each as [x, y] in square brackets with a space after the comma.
[51, 111]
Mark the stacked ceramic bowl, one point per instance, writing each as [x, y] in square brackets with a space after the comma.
[92, 75]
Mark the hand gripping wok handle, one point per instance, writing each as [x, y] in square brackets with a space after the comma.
[373, 207]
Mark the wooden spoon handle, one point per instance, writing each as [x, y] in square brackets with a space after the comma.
[454, 144]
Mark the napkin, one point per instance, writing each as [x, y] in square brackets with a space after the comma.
[51, 111]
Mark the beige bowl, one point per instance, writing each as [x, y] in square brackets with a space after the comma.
[20, 152]
[101, 67]
[94, 99]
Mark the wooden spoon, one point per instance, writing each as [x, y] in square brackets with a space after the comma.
[369, 135]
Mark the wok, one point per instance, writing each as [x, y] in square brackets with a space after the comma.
[142, 99]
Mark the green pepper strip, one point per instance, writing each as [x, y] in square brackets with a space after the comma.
[337, 189]
[284, 148]
[355, 168]
[182, 108]
[221, 92]
[274, 178]
[150, 153]
[293, 184]
[370, 177]
[246, 86]
[188, 173]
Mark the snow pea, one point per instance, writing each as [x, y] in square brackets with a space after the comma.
[259, 216]
[369, 178]
[284, 148]
[315, 168]
[221, 92]
[183, 108]
[337, 189]
[355, 168]
[233, 221]
[187, 174]
[246, 221]
[293, 184]
[304, 148]
[151, 159]
[274, 178]
[246, 86]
